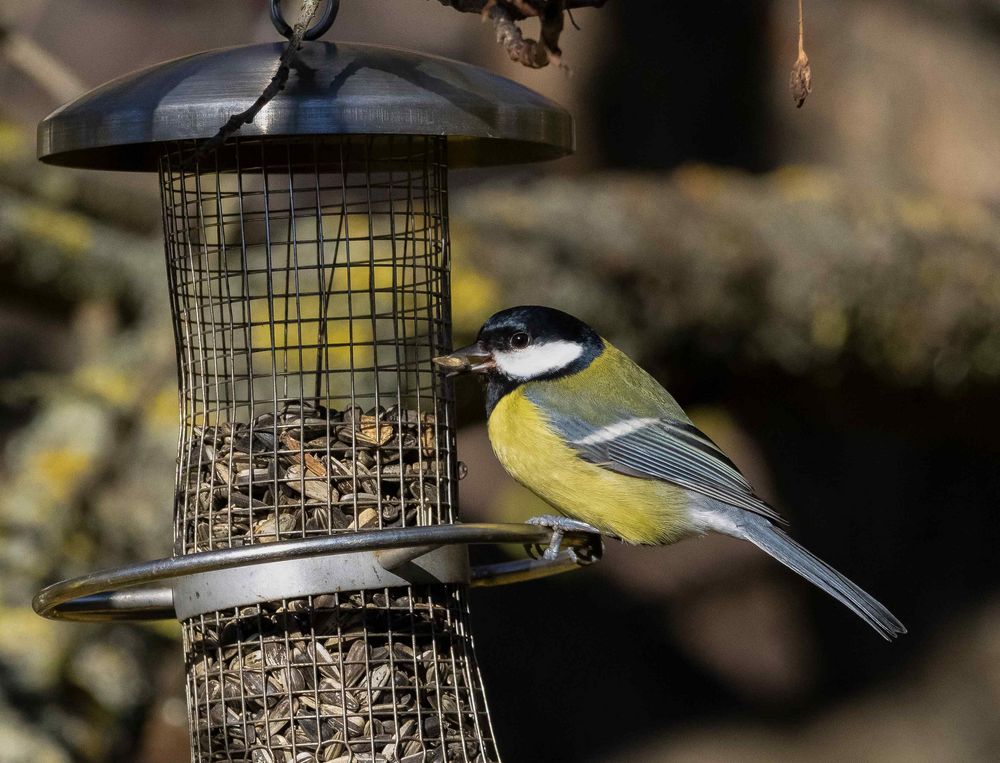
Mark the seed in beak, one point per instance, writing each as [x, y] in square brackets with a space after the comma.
[452, 363]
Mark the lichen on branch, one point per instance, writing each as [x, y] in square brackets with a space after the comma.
[504, 14]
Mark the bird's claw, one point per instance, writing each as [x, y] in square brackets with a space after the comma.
[559, 527]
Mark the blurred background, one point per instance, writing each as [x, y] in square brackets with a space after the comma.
[820, 287]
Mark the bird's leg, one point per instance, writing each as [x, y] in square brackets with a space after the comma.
[559, 526]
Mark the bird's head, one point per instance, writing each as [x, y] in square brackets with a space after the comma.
[527, 343]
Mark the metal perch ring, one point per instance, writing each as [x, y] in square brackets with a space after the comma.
[314, 32]
[399, 556]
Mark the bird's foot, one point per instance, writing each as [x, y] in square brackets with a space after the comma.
[559, 527]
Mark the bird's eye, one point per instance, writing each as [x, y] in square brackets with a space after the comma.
[520, 340]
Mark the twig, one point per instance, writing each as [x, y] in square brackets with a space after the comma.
[528, 7]
[552, 27]
[535, 54]
[526, 52]
[275, 86]
[801, 79]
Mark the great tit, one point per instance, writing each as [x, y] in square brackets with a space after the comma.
[574, 420]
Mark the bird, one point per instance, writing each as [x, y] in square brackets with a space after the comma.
[576, 421]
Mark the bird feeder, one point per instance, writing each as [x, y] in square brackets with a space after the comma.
[319, 571]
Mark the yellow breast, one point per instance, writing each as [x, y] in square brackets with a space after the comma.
[633, 509]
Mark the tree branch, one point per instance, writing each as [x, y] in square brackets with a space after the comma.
[505, 13]
[529, 53]
[521, 9]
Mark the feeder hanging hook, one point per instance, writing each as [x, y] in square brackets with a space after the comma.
[314, 32]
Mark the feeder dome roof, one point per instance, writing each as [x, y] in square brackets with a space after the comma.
[333, 89]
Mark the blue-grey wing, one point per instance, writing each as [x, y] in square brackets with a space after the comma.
[665, 449]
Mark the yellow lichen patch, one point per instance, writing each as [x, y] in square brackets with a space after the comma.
[700, 182]
[170, 629]
[937, 271]
[60, 469]
[921, 215]
[805, 184]
[475, 295]
[80, 547]
[351, 226]
[829, 326]
[70, 232]
[14, 142]
[108, 384]
[474, 298]
[161, 409]
[986, 356]
[934, 215]
[20, 626]
[296, 336]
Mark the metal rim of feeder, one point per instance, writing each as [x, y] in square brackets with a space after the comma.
[393, 557]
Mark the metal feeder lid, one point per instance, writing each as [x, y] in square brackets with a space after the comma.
[336, 89]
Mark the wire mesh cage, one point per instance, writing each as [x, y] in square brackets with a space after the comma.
[381, 676]
[318, 569]
[309, 299]
[309, 283]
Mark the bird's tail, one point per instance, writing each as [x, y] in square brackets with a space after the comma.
[773, 541]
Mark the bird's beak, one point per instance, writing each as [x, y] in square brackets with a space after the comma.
[474, 359]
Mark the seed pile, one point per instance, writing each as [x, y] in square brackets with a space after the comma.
[354, 678]
[312, 471]
[368, 677]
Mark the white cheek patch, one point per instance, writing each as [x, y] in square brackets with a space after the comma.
[537, 359]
